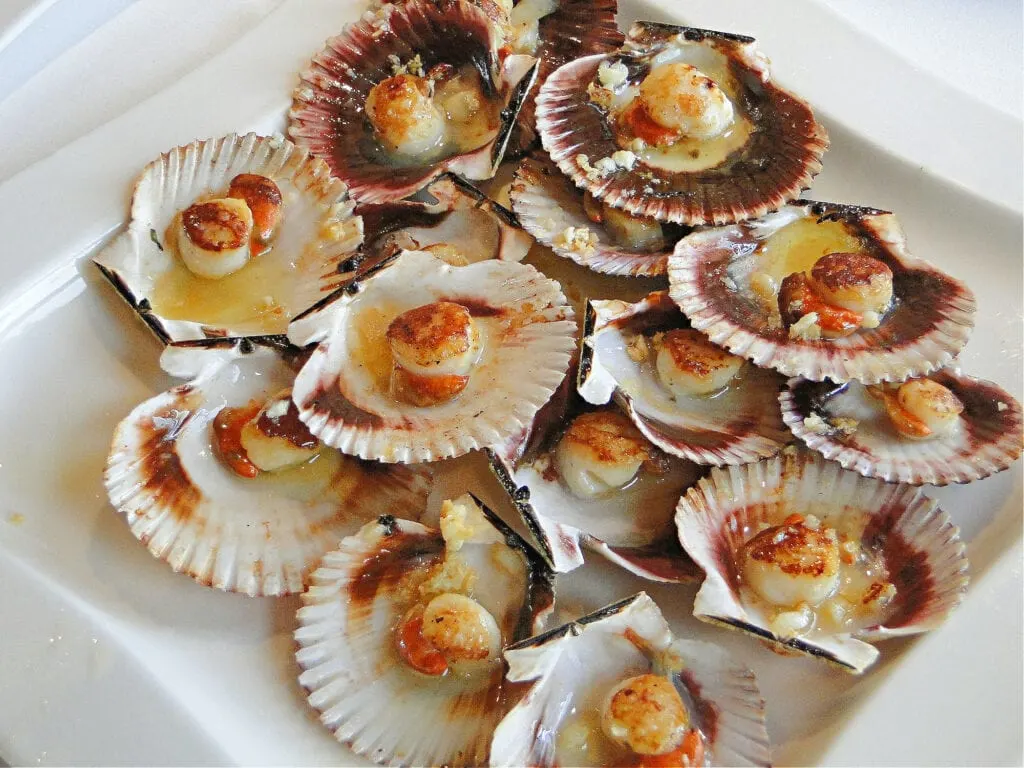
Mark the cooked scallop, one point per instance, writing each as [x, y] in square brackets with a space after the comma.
[930, 403]
[853, 281]
[792, 564]
[276, 439]
[263, 197]
[461, 629]
[646, 714]
[213, 237]
[689, 364]
[404, 116]
[681, 98]
[601, 451]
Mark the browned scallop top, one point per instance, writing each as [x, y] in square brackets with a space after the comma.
[692, 352]
[287, 425]
[610, 435]
[432, 333]
[262, 196]
[397, 100]
[849, 270]
[652, 710]
[213, 227]
[795, 549]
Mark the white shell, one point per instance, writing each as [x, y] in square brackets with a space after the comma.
[365, 695]
[710, 279]
[987, 440]
[261, 536]
[528, 341]
[739, 425]
[567, 665]
[925, 557]
[316, 233]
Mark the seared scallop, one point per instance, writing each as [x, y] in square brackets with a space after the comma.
[853, 281]
[600, 452]
[276, 439]
[792, 564]
[682, 99]
[646, 714]
[404, 116]
[689, 364]
[263, 197]
[213, 237]
[923, 408]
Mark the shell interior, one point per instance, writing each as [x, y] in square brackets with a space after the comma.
[572, 667]
[987, 440]
[328, 111]
[343, 392]
[370, 699]
[711, 273]
[317, 232]
[548, 204]
[734, 426]
[919, 546]
[260, 536]
[772, 151]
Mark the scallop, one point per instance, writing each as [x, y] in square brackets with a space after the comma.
[809, 557]
[822, 290]
[401, 631]
[408, 93]
[680, 125]
[615, 687]
[589, 480]
[687, 396]
[231, 237]
[957, 428]
[590, 233]
[251, 516]
[351, 398]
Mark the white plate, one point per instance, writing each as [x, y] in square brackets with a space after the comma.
[108, 657]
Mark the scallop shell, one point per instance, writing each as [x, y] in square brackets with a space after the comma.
[449, 210]
[633, 527]
[574, 28]
[988, 441]
[528, 338]
[365, 695]
[317, 232]
[778, 160]
[567, 665]
[710, 278]
[260, 536]
[922, 549]
[328, 117]
[740, 425]
[548, 204]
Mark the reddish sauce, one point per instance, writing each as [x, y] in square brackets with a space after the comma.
[414, 648]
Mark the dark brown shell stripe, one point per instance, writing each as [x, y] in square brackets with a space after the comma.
[989, 441]
[328, 117]
[931, 320]
[535, 191]
[781, 158]
[576, 28]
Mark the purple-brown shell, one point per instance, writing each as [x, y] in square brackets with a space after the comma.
[328, 112]
[848, 425]
[925, 559]
[547, 203]
[778, 160]
[738, 425]
[929, 322]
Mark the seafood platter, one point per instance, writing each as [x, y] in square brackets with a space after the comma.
[524, 295]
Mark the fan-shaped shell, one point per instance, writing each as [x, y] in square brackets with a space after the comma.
[259, 536]
[328, 112]
[739, 425]
[710, 278]
[343, 394]
[318, 231]
[987, 440]
[364, 693]
[570, 667]
[774, 163]
[919, 546]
